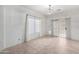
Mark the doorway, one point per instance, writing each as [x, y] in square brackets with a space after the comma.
[62, 28]
[58, 27]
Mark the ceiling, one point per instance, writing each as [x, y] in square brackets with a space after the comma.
[43, 9]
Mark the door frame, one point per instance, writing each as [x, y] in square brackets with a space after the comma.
[67, 26]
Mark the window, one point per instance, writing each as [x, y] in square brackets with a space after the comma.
[33, 25]
[37, 25]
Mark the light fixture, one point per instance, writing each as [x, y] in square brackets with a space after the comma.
[50, 10]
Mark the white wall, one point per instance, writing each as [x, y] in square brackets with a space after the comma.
[15, 19]
[15, 24]
[75, 27]
[1, 28]
[43, 27]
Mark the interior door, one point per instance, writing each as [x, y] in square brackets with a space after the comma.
[59, 28]
[62, 28]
